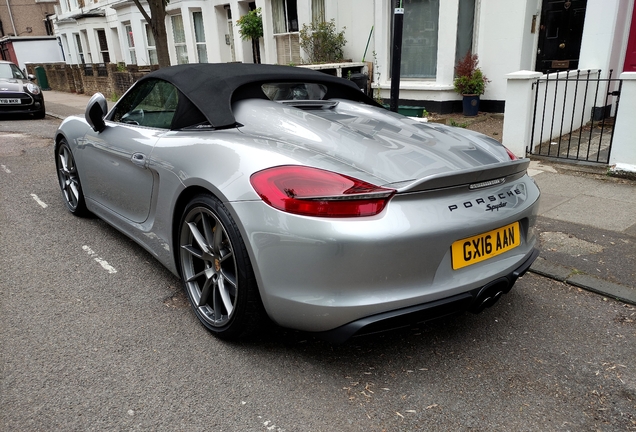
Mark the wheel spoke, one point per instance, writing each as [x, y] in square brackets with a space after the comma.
[64, 167]
[227, 255]
[231, 279]
[218, 240]
[215, 303]
[198, 237]
[193, 252]
[225, 297]
[198, 275]
[206, 290]
[73, 188]
[208, 230]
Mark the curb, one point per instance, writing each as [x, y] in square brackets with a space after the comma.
[57, 116]
[589, 283]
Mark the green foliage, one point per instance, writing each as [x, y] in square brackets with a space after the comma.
[121, 67]
[321, 42]
[377, 92]
[452, 122]
[469, 79]
[251, 25]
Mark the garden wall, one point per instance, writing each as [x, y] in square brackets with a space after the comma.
[110, 79]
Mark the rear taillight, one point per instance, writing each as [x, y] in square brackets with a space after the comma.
[315, 192]
[511, 155]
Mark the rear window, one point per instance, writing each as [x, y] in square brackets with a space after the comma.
[294, 91]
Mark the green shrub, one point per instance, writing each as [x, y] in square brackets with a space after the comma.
[251, 25]
[321, 42]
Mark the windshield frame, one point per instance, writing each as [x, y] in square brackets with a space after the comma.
[10, 71]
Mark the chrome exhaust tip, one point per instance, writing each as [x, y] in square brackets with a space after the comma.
[490, 294]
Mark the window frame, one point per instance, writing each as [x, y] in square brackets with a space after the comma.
[80, 49]
[132, 52]
[405, 46]
[103, 48]
[151, 48]
[465, 39]
[200, 46]
[318, 8]
[139, 95]
[289, 39]
[181, 47]
[287, 21]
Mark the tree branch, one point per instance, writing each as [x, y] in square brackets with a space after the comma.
[143, 12]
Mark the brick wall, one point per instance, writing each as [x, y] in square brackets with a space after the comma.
[56, 75]
[109, 79]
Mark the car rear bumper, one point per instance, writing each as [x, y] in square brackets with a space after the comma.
[474, 301]
[317, 274]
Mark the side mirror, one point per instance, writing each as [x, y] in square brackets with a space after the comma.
[31, 77]
[96, 111]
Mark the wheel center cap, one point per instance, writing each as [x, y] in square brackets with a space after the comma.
[217, 264]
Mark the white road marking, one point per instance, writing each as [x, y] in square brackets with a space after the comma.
[5, 169]
[272, 427]
[39, 201]
[110, 269]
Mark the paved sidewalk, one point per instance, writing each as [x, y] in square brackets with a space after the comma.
[587, 228]
[61, 104]
[586, 225]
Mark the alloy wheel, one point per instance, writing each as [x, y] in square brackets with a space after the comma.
[69, 180]
[209, 267]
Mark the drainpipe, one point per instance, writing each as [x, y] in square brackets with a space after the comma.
[15, 33]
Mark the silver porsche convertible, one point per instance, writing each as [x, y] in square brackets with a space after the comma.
[284, 192]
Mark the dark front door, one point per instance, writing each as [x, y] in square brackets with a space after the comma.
[560, 34]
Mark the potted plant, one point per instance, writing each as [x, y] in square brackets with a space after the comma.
[470, 82]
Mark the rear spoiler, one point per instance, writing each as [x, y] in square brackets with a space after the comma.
[467, 177]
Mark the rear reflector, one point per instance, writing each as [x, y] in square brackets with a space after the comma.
[314, 192]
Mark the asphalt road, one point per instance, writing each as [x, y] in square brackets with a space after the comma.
[96, 335]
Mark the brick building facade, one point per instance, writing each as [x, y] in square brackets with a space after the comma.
[26, 17]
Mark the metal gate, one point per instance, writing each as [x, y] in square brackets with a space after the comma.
[574, 114]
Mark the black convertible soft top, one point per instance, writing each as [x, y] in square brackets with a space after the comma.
[212, 87]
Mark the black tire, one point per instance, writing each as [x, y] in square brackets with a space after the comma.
[40, 114]
[216, 270]
[69, 180]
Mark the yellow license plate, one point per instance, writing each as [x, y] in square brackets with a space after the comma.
[484, 246]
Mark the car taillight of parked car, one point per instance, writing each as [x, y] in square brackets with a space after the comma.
[315, 192]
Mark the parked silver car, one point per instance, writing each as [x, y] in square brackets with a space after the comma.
[284, 191]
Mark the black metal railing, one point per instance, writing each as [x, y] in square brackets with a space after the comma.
[571, 124]
[88, 69]
[102, 71]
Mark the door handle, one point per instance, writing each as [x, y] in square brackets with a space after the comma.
[139, 159]
[562, 45]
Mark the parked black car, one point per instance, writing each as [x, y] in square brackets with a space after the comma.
[18, 94]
